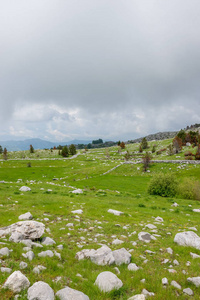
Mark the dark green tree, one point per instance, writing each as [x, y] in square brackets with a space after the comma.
[182, 135]
[31, 149]
[144, 143]
[1, 149]
[65, 151]
[5, 154]
[72, 149]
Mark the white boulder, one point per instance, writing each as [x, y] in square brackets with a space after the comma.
[26, 216]
[17, 282]
[121, 256]
[41, 291]
[71, 294]
[108, 281]
[25, 189]
[115, 212]
[187, 238]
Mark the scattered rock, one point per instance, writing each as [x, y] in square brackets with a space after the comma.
[115, 212]
[47, 241]
[188, 291]
[107, 281]
[4, 252]
[17, 282]
[145, 237]
[25, 189]
[78, 211]
[194, 255]
[133, 267]
[159, 219]
[48, 253]
[26, 216]
[121, 256]
[196, 210]
[175, 284]
[6, 270]
[138, 297]
[30, 255]
[194, 280]
[188, 238]
[71, 294]
[147, 293]
[23, 230]
[77, 191]
[169, 250]
[165, 281]
[23, 265]
[41, 291]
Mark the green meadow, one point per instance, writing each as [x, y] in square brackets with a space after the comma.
[52, 180]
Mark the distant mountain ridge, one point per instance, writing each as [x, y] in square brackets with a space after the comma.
[156, 136]
[37, 144]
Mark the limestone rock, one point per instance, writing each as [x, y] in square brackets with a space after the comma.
[194, 280]
[77, 191]
[194, 255]
[26, 216]
[48, 253]
[121, 256]
[164, 281]
[102, 256]
[78, 211]
[4, 252]
[17, 282]
[107, 281]
[25, 189]
[188, 238]
[188, 292]
[115, 212]
[71, 294]
[138, 297]
[23, 230]
[6, 270]
[175, 284]
[133, 267]
[47, 241]
[41, 291]
[145, 237]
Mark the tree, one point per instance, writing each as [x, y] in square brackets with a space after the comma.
[153, 149]
[5, 154]
[31, 149]
[72, 149]
[99, 141]
[170, 150]
[140, 149]
[146, 161]
[65, 151]
[144, 143]
[177, 143]
[1, 149]
[182, 135]
[118, 144]
[122, 145]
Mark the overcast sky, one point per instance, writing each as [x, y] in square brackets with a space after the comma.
[110, 69]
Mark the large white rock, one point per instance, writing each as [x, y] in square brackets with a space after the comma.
[133, 267]
[26, 216]
[78, 211]
[121, 256]
[107, 281]
[40, 291]
[196, 210]
[102, 256]
[71, 294]
[25, 189]
[187, 238]
[17, 282]
[194, 280]
[23, 230]
[115, 212]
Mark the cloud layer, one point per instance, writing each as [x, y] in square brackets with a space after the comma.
[112, 69]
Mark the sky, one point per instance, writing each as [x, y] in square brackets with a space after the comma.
[86, 69]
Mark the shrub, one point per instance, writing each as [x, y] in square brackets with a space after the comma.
[188, 153]
[72, 149]
[144, 143]
[164, 185]
[146, 161]
[65, 151]
[189, 189]
[122, 145]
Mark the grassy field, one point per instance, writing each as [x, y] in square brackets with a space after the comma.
[52, 178]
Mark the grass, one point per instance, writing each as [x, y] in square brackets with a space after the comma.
[125, 189]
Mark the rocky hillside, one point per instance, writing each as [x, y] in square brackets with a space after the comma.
[157, 136]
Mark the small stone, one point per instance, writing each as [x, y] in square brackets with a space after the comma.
[23, 265]
[48, 253]
[115, 212]
[41, 291]
[188, 291]
[133, 267]
[6, 270]
[17, 282]
[69, 294]
[4, 252]
[194, 280]
[47, 241]
[175, 284]
[169, 250]
[165, 281]
[194, 255]
[138, 297]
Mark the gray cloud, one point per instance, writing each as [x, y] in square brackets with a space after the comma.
[112, 61]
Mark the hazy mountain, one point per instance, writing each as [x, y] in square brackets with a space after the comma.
[37, 144]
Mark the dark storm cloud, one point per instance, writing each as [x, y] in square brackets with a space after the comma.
[103, 57]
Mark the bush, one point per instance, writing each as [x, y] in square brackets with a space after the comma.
[189, 189]
[146, 161]
[65, 151]
[164, 185]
